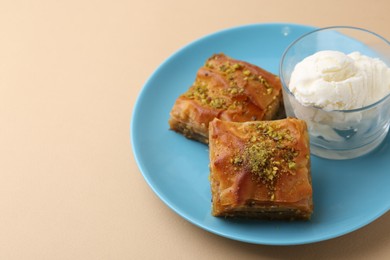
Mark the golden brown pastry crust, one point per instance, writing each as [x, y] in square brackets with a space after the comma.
[227, 89]
[260, 169]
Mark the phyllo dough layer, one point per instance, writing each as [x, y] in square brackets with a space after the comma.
[227, 89]
[260, 169]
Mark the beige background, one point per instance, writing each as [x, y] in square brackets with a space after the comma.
[70, 72]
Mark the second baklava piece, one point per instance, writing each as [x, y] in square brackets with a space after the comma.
[227, 89]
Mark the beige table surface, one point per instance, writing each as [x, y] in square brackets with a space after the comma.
[70, 72]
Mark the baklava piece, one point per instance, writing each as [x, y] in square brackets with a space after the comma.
[260, 169]
[227, 89]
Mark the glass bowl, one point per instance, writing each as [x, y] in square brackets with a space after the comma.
[335, 133]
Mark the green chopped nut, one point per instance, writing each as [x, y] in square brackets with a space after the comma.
[258, 156]
[246, 72]
[233, 90]
[236, 66]
[292, 165]
[217, 103]
[264, 82]
[237, 160]
[209, 65]
[223, 67]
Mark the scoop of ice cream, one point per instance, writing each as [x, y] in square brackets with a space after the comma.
[333, 80]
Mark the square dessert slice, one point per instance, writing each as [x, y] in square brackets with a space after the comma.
[260, 169]
[227, 89]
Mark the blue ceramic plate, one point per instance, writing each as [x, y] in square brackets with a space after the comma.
[347, 194]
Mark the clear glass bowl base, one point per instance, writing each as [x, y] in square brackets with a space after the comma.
[347, 154]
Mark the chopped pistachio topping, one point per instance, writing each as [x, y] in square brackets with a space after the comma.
[246, 72]
[237, 104]
[269, 88]
[200, 92]
[237, 160]
[217, 103]
[264, 82]
[234, 90]
[266, 154]
[229, 68]
[291, 165]
[224, 67]
[258, 156]
[209, 65]
[236, 66]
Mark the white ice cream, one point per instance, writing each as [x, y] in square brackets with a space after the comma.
[333, 80]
